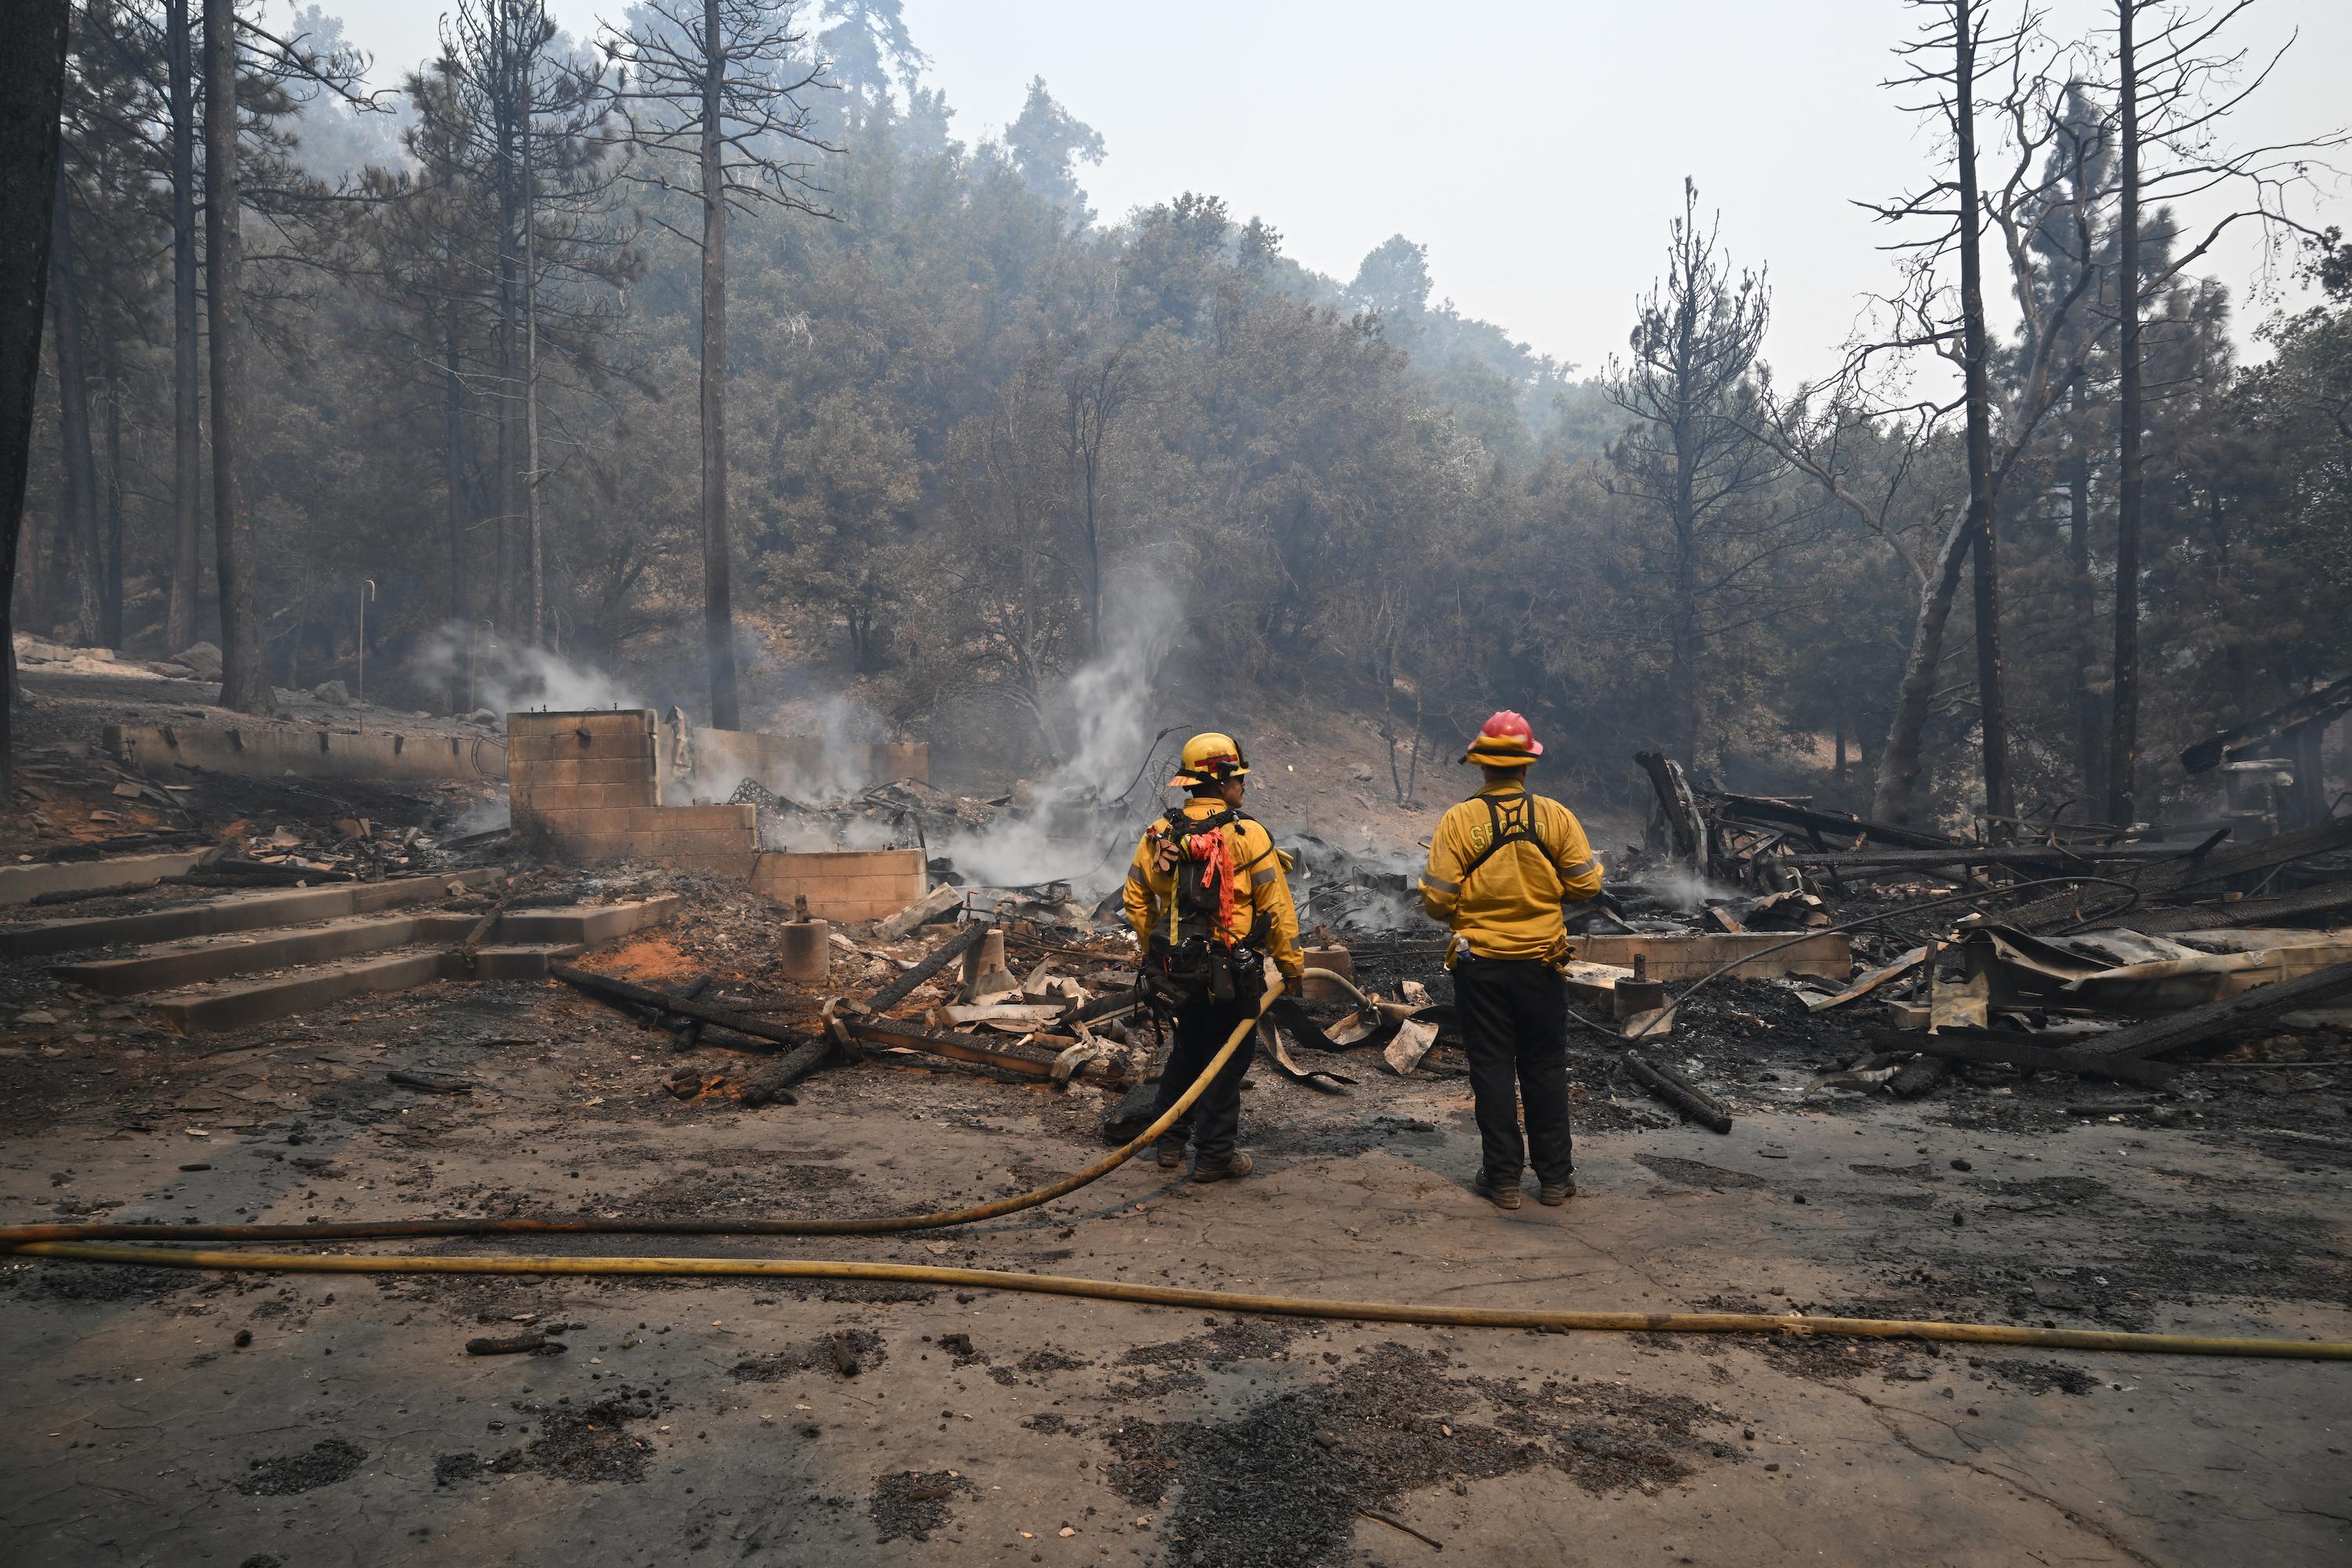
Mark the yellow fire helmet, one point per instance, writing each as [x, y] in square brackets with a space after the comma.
[1208, 759]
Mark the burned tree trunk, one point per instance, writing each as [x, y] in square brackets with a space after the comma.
[1900, 761]
[180, 606]
[2086, 658]
[78, 495]
[534, 547]
[2122, 715]
[718, 605]
[32, 88]
[245, 681]
[110, 562]
[508, 562]
[1977, 365]
[453, 484]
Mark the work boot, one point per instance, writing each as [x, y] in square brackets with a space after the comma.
[1551, 1195]
[1169, 1153]
[1503, 1195]
[1239, 1165]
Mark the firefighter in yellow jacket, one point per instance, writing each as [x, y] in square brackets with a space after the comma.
[1209, 903]
[1501, 865]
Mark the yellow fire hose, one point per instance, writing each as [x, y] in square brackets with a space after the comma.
[20, 1236]
[85, 1243]
[1201, 1300]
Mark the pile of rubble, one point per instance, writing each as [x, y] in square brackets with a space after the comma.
[2077, 950]
[1884, 956]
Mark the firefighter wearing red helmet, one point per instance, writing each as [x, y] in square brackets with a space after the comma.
[1501, 866]
[1207, 900]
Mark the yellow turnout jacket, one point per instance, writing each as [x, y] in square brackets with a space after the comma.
[1508, 905]
[1260, 887]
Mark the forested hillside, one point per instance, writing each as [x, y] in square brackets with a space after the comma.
[980, 435]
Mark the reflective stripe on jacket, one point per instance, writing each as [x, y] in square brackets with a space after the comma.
[1261, 887]
[1509, 907]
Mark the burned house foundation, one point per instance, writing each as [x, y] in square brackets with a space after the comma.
[597, 787]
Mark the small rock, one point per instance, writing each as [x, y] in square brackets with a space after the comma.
[331, 691]
[38, 1015]
[1962, 1166]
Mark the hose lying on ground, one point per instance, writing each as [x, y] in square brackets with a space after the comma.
[1209, 1301]
[20, 1236]
[247, 1234]
[80, 1244]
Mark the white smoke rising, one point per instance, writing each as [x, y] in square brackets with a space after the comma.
[828, 756]
[1108, 711]
[801, 835]
[480, 816]
[1685, 888]
[511, 678]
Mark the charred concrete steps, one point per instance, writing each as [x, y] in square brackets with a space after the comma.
[233, 912]
[23, 884]
[253, 973]
[168, 966]
[241, 1004]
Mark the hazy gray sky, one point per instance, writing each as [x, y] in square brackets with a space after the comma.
[1537, 147]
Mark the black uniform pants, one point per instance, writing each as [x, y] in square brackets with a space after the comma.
[1515, 1032]
[1215, 1119]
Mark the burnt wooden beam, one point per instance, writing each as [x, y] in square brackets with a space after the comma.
[623, 993]
[930, 963]
[2328, 897]
[2195, 1026]
[2012, 1048]
[774, 1087]
[2036, 855]
[1028, 1061]
[1700, 1108]
[1679, 806]
[2173, 877]
[1766, 808]
[2311, 708]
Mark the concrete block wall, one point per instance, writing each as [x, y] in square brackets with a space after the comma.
[259, 749]
[844, 885]
[591, 784]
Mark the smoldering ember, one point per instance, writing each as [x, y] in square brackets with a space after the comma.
[757, 806]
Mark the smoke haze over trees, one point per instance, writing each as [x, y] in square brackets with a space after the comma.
[969, 421]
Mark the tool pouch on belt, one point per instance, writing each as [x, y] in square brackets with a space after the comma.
[1197, 970]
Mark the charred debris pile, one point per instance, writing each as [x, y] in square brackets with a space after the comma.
[1754, 951]
[1759, 951]
[2168, 963]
